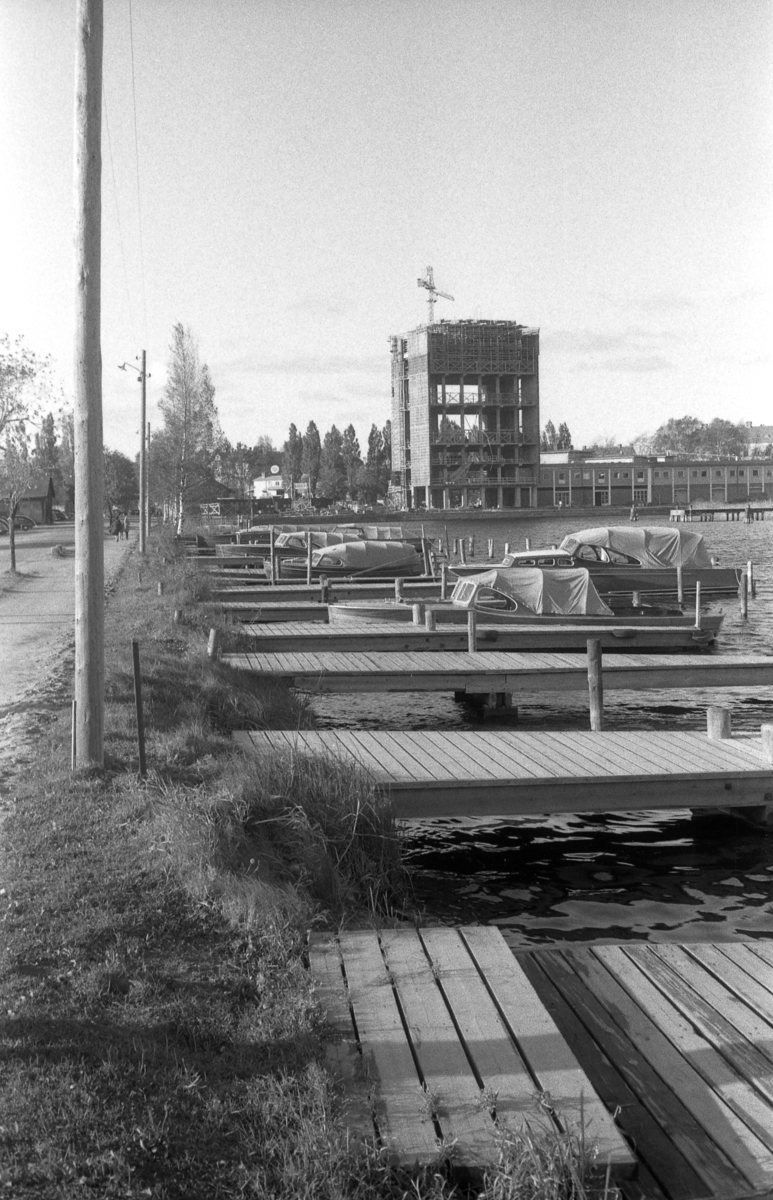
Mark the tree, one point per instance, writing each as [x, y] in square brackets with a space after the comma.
[46, 451]
[21, 373]
[689, 436]
[121, 482]
[350, 450]
[310, 458]
[292, 460]
[375, 472]
[191, 428]
[16, 473]
[549, 437]
[332, 468]
[564, 440]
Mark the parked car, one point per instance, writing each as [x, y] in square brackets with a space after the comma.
[19, 522]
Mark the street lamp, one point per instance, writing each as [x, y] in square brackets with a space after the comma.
[144, 506]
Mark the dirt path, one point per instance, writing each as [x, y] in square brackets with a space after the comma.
[37, 610]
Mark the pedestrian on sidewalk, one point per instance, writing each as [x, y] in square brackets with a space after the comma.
[126, 525]
[116, 528]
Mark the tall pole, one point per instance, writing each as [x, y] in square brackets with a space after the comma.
[143, 463]
[146, 514]
[89, 466]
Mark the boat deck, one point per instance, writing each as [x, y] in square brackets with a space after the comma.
[507, 774]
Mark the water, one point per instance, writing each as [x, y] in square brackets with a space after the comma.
[644, 876]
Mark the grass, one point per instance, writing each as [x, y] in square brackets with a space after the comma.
[159, 1036]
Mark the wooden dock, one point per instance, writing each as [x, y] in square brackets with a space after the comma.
[442, 1041]
[499, 671]
[393, 635]
[247, 590]
[431, 774]
[678, 1040]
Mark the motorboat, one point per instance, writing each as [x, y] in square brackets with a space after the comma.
[644, 558]
[358, 559]
[537, 598]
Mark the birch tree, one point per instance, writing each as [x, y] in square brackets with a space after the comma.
[191, 428]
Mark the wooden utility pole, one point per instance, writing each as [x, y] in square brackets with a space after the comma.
[89, 465]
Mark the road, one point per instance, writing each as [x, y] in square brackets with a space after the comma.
[37, 611]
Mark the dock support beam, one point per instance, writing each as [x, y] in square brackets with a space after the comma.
[595, 685]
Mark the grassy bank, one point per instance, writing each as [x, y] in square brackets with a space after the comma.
[159, 1033]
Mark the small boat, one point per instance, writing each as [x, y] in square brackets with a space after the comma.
[358, 559]
[539, 599]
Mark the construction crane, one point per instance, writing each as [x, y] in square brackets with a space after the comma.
[429, 283]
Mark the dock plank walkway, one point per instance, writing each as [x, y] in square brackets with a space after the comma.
[506, 774]
[498, 671]
[678, 1039]
[454, 1043]
[391, 636]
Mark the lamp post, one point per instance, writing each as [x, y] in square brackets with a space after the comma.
[141, 378]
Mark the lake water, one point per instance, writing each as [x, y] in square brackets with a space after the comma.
[641, 875]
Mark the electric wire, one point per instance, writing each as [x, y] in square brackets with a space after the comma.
[118, 216]
[137, 167]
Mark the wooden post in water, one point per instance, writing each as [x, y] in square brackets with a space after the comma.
[471, 544]
[595, 685]
[429, 619]
[718, 723]
[635, 599]
[528, 543]
[323, 589]
[271, 559]
[89, 686]
[507, 547]
[679, 583]
[443, 581]
[418, 613]
[308, 556]
[399, 589]
[462, 552]
[138, 707]
[751, 579]
[490, 554]
[472, 631]
[743, 595]
[697, 604]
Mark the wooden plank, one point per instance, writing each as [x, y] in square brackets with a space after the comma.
[728, 1109]
[508, 1086]
[604, 1053]
[342, 1052]
[539, 1042]
[737, 967]
[454, 1092]
[639, 1051]
[398, 1098]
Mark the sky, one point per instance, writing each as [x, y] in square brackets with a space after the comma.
[277, 174]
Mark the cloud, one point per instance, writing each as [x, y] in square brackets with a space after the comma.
[593, 341]
[662, 302]
[304, 364]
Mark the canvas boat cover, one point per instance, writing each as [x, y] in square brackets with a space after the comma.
[651, 545]
[387, 533]
[364, 556]
[319, 537]
[568, 591]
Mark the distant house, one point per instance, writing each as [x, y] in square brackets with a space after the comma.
[38, 502]
[759, 437]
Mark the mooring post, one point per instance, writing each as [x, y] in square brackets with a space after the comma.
[766, 733]
[679, 583]
[429, 619]
[471, 544]
[160, 588]
[718, 723]
[399, 589]
[595, 685]
[750, 577]
[635, 599]
[138, 707]
[697, 604]
[443, 581]
[212, 644]
[462, 551]
[472, 631]
[323, 589]
[507, 548]
[490, 554]
[418, 613]
[743, 595]
[308, 556]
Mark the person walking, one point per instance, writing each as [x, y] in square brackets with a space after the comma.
[126, 525]
[116, 527]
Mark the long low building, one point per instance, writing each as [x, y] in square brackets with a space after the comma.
[570, 479]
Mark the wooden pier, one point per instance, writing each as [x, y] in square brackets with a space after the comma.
[508, 774]
[678, 1041]
[499, 671]
[393, 635]
[443, 1042]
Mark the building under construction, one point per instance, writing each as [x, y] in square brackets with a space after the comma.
[465, 415]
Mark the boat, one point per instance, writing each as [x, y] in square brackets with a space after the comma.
[358, 559]
[645, 558]
[537, 598]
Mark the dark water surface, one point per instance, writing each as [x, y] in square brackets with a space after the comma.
[640, 875]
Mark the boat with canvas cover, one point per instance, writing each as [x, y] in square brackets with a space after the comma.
[358, 560]
[530, 596]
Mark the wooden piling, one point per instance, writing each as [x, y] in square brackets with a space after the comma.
[528, 543]
[697, 604]
[766, 733]
[490, 549]
[462, 552]
[743, 595]
[751, 579]
[443, 582]
[271, 555]
[595, 685]
[636, 599]
[399, 588]
[472, 631]
[718, 723]
[418, 613]
[309, 547]
[429, 619]
[679, 583]
[212, 644]
[160, 588]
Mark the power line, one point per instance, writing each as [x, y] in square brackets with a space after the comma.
[118, 215]
[137, 166]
